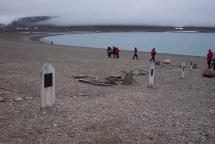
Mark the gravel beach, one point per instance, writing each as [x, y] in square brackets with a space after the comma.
[175, 111]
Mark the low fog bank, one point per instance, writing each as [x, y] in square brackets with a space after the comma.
[112, 12]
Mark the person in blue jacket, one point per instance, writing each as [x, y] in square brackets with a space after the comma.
[213, 61]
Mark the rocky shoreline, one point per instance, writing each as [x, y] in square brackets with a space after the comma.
[174, 111]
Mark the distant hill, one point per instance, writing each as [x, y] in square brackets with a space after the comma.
[34, 24]
[28, 21]
[2, 25]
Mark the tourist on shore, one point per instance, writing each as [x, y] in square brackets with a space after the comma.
[153, 53]
[135, 54]
[213, 61]
[209, 58]
[114, 52]
[117, 52]
[109, 52]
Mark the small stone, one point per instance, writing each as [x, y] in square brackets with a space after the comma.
[167, 61]
[18, 99]
[208, 73]
[83, 95]
[157, 63]
[2, 99]
[28, 98]
[195, 66]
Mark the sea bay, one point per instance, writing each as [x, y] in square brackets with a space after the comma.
[184, 43]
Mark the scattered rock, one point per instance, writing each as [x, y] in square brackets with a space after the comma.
[2, 99]
[138, 72]
[18, 99]
[82, 95]
[209, 73]
[28, 98]
[195, 66]
[158, 63]
[167, 61]
[143, 72]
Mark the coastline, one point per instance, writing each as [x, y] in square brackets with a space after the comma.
[38, 39]
[174, 111]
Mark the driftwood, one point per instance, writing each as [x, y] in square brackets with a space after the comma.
[94, 82]
[138, 72]
[128, 79]
[81, 76]
[114, 80]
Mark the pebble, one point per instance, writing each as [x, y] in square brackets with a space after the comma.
[28, 98]
[2, 99]
[18, 99]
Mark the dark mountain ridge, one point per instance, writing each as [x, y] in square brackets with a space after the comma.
[28, 21]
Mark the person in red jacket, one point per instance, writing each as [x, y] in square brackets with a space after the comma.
[117, 52]
[153, 53]
[209, 58]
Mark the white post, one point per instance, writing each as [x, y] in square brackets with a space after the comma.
[151, 75]
[191, 64]
[183, 70]
[48, 86]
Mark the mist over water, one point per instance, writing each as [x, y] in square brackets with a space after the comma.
[196, 44]
[113, 12]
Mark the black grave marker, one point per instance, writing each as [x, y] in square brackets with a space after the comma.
[48, 80]
[151, 72]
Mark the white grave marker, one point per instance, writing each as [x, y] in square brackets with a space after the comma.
[191, 64]
[48, 86]
[183, 70]
[151, 74]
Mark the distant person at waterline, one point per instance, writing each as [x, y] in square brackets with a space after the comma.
[213, 61]
[209, 58]
[153, 53]
[109, 52]
[135, 54]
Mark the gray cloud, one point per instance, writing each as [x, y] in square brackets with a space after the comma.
[135, 12]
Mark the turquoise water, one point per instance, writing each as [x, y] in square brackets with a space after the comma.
[185, 43]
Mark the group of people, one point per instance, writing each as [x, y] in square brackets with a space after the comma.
[115, 52]
[211, 59]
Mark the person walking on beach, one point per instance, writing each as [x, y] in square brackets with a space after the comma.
[209, 58]
[114, 52]
[117, 52]
[109, 52]
[213, 61]
[135, 53]
[153, 53]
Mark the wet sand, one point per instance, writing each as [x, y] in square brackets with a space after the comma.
[174, 111]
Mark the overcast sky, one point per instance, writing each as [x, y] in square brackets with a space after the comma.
[96, 12]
